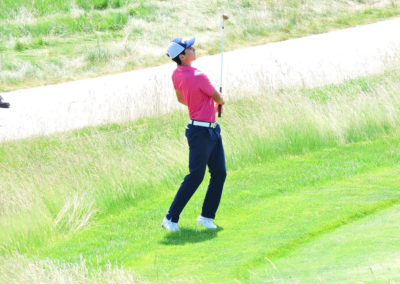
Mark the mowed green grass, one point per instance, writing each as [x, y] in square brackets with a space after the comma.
[43, 41]
[373, 240]
[326, 215]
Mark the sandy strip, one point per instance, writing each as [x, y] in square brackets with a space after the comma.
[305, 62]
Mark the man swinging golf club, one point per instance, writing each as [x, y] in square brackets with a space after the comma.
[194, 90]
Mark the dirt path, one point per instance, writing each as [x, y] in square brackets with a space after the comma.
[305, 62]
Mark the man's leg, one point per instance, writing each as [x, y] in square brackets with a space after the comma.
[217, 168]
[200, 148]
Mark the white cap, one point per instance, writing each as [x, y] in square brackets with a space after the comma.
[177, 45]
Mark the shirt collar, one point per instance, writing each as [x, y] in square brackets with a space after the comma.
[185, 67]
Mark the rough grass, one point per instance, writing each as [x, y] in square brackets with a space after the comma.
[45, 42]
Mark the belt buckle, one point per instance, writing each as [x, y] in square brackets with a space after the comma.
[213, 124]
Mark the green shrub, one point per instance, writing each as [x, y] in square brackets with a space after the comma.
[98, 55]
[100, 4]
[141, 9]
[19, 46]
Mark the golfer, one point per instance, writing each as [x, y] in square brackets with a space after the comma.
[194, 90]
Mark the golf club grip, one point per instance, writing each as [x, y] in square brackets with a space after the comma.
[219, 105]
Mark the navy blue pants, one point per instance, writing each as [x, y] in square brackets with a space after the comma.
[205, 149]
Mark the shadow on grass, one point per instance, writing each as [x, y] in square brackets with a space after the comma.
[184, 236]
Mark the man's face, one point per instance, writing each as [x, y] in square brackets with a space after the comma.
[189, 56]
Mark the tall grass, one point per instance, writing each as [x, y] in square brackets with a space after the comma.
[18, 269]
[72, 29]
[59, 184]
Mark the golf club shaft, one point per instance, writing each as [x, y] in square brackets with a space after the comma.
[222, 54]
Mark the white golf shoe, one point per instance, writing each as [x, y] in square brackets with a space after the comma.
[206, 222]
[169, 225]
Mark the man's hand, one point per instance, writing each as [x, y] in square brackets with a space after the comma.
[218, 98]
[219, 102]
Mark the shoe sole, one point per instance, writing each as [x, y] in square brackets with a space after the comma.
[207, 227]
[162, 226]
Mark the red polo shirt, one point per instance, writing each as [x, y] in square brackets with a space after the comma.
[197, 92]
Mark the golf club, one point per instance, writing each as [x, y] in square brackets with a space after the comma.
[224, 17]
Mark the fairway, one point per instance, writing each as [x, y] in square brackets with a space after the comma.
[302, 217]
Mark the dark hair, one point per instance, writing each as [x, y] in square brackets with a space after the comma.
[177, 59]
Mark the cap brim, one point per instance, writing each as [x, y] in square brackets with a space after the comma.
[190, 42]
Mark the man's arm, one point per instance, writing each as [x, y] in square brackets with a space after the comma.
[180, 98]
[218, 98]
